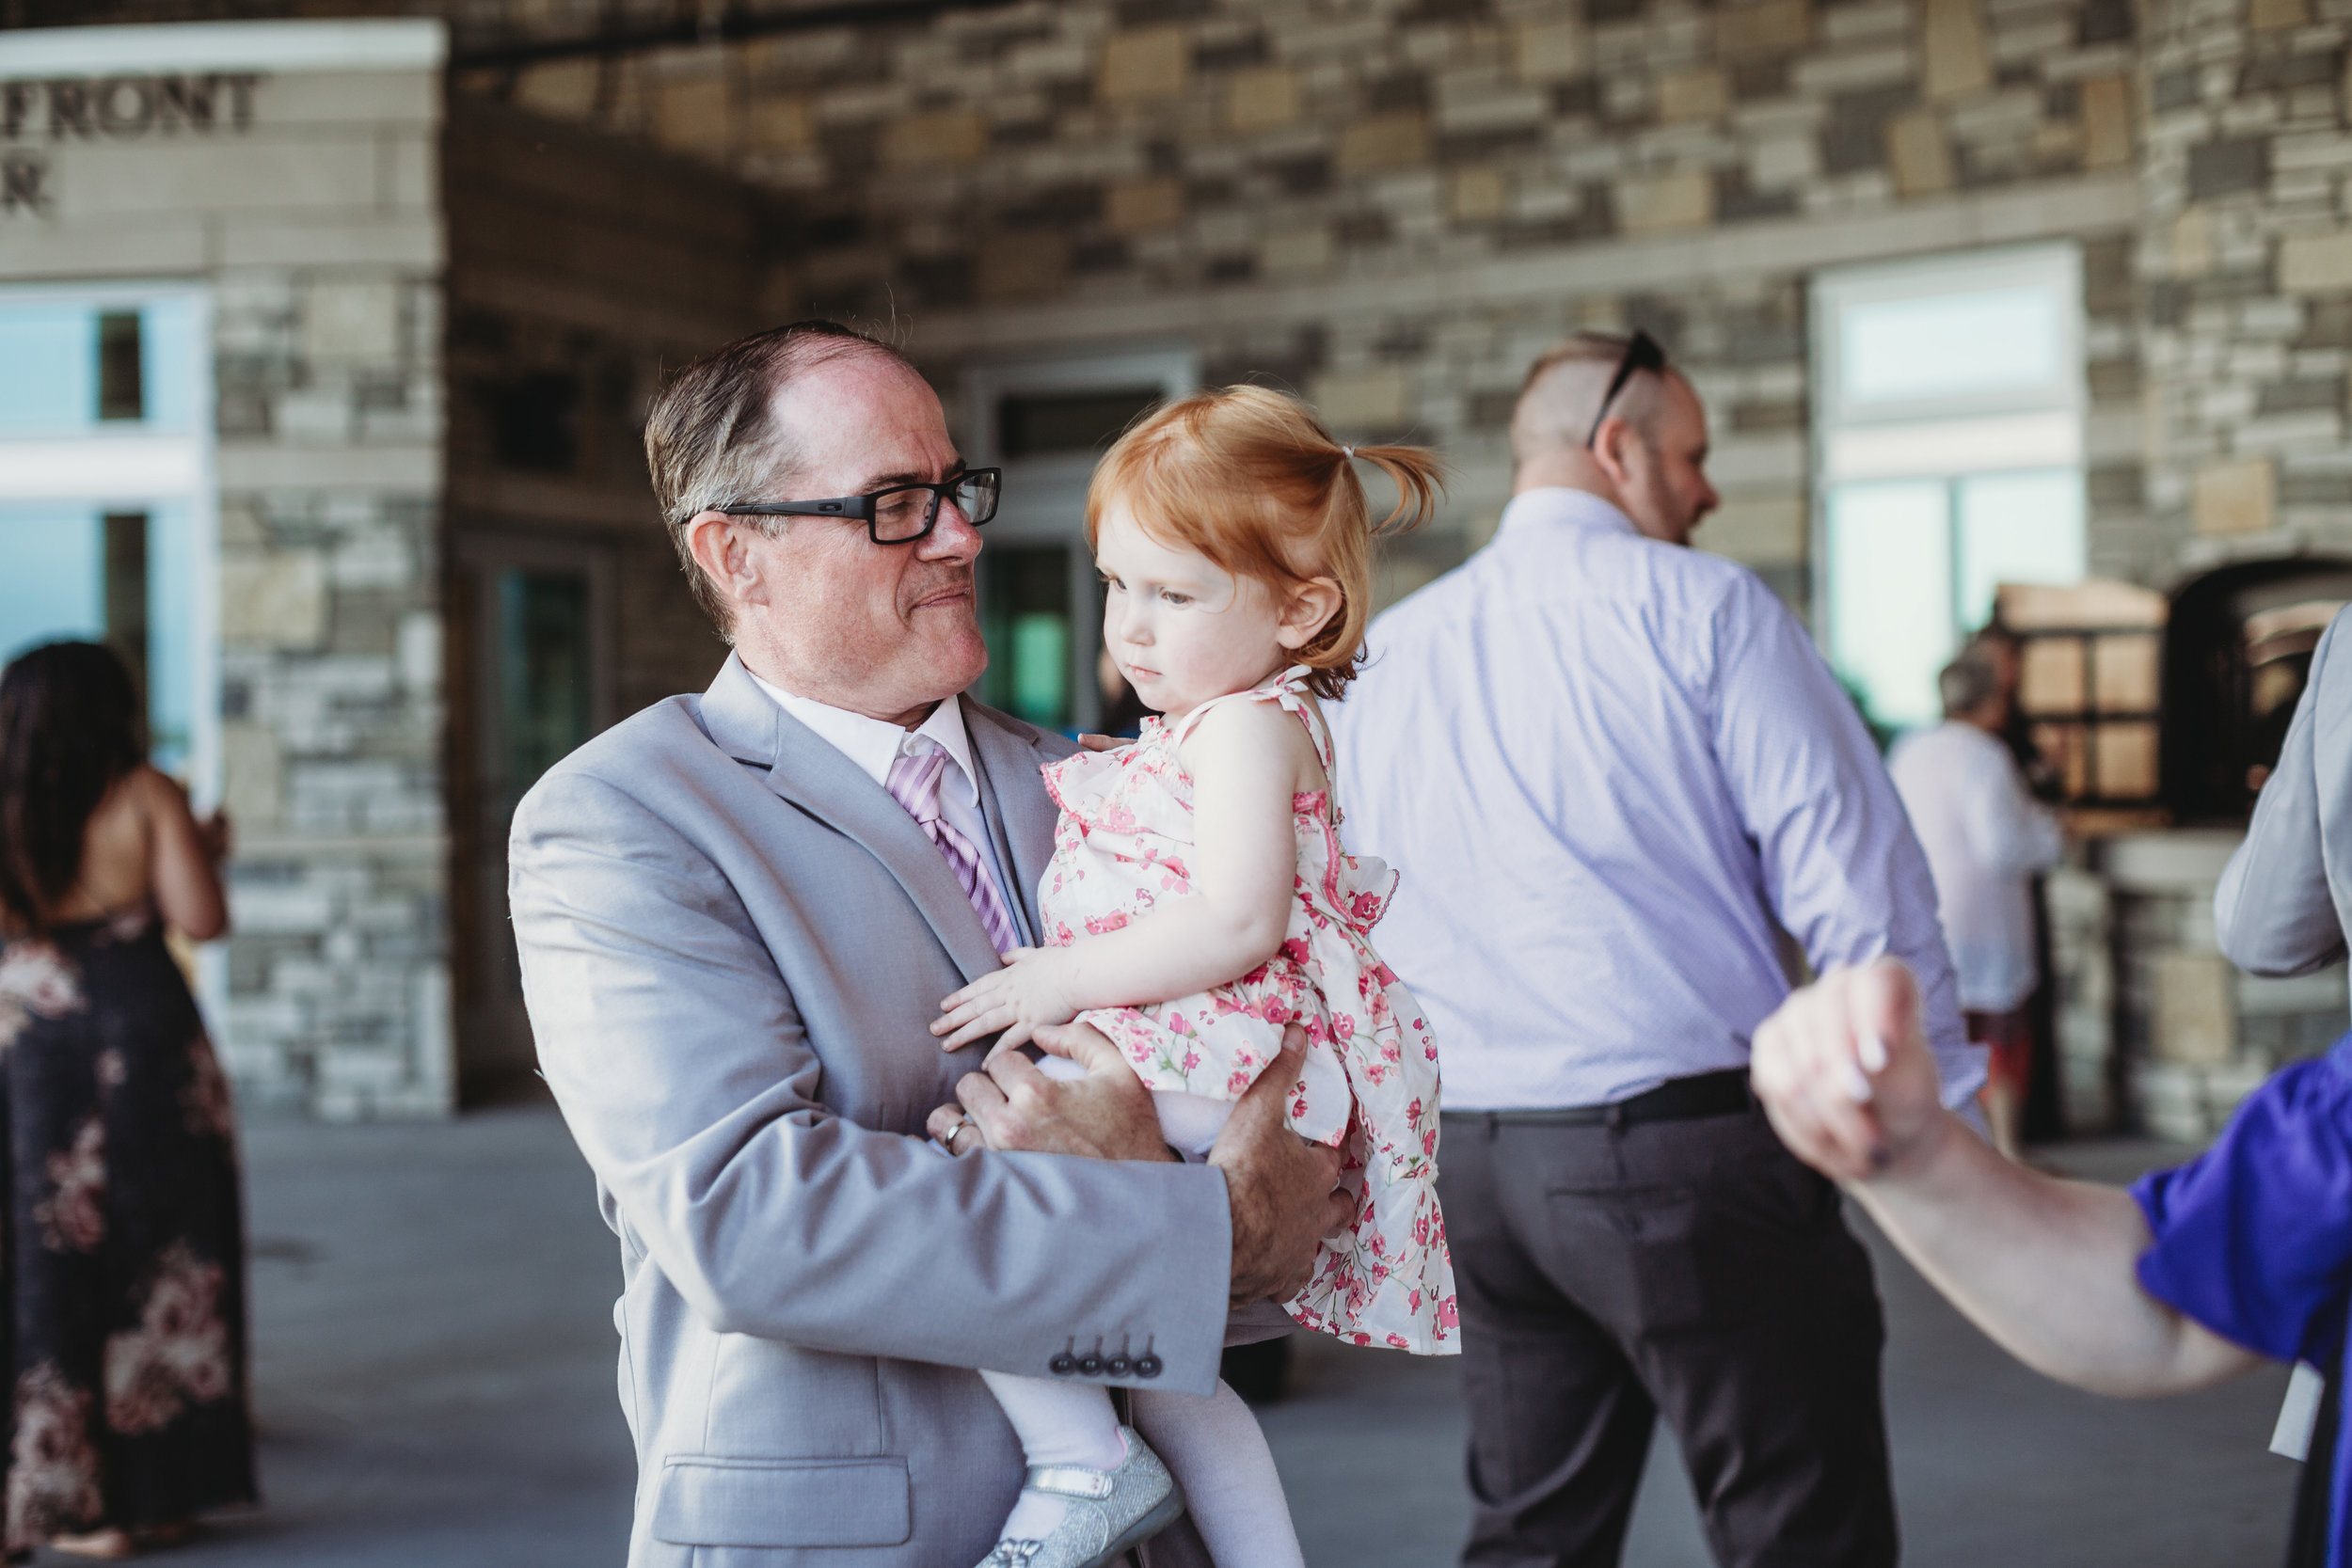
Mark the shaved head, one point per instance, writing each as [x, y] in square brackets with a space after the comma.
[1644, 452]
[1560, 399]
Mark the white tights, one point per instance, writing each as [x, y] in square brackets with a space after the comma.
[1212, 1446]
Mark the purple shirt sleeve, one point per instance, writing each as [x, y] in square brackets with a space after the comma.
[2253, 1238]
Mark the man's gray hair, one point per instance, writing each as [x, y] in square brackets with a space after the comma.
[1969, 681]
[1561, 397]
[710, 440]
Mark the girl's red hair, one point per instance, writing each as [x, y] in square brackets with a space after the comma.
[1254, 481]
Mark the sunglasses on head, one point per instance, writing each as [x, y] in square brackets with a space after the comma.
[1642, 353]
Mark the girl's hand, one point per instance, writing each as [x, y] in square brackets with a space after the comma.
[1030, 992]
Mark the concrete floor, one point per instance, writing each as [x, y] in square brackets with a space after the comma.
[434, 1370]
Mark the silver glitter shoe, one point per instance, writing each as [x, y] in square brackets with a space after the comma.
[1112, 1511]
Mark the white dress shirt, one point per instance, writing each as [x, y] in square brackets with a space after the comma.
[1604, 767]
[874, 744]
[1985, 837]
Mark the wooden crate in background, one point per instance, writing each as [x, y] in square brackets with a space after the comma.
[2090, 685]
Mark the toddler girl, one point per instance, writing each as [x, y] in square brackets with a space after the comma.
[1199, 902]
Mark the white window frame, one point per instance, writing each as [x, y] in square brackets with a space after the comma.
[136, 468]
[123, 469]
[1947, 437]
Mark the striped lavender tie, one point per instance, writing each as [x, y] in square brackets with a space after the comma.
[913, 782]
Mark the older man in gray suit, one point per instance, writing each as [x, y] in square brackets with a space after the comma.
[738, 913]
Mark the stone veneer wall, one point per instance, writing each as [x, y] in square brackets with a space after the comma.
[1394, 207]
[2245, 264]
[319, 232]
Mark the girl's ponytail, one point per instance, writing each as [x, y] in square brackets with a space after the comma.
[1419, 478]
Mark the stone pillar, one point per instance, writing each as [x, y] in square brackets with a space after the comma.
[294, 174]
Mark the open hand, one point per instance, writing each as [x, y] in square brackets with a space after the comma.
[1845, 1075]
[1030, 991]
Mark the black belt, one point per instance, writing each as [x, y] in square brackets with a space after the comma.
[1705, 1094]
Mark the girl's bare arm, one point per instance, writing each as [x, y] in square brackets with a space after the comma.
[1227, 916]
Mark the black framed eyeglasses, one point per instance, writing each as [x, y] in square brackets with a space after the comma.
[901, 515]
[1642, 353]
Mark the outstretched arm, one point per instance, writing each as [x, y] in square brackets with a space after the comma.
[1225, 913]
[2045, 1267]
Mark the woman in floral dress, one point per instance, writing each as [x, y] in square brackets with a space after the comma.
[123, 1263]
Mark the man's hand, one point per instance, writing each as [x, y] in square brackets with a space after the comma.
[1030, 991]
[2046, 1267]
[1107, 1114]
[1280, 1186]
[1844, 1072]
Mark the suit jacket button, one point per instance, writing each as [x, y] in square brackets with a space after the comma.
[1147, 1365]
[1062, 1364]
[1090, 1366]
[1119, 1365]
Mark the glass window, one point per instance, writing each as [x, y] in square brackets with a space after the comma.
[544, 673]
[126, 578]
[51, 354]
[2016, 527]
[1901, 350]
[1044, 424]
[75, 368]
[1026, 616]
[1891, 618]
[102, 536]
[1947, 404]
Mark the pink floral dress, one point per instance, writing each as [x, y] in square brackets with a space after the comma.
[1370, 1085]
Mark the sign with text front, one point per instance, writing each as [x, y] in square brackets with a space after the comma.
[38, 113]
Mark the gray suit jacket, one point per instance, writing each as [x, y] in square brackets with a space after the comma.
[2285, 900]
[732, 941]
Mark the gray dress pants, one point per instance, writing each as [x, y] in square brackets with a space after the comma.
[1695, 1268]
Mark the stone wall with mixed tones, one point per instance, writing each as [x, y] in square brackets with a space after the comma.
[1392, 206]
[2245, 264]
[314, 219]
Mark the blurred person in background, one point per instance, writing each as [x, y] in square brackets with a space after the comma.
[1985, 837]
[2006, 651]
[1611, 771]
[125, 1272]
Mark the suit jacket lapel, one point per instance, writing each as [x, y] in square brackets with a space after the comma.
[1020, 814]
[803, 769]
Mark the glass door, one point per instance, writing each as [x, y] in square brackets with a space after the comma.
[1046, 423]
[537, 616]
[107, 512]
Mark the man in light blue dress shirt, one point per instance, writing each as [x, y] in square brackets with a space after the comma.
[1613, 772]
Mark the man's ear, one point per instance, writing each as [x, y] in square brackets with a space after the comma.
[724, 555]
[1309, 610]
[1612, 449]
